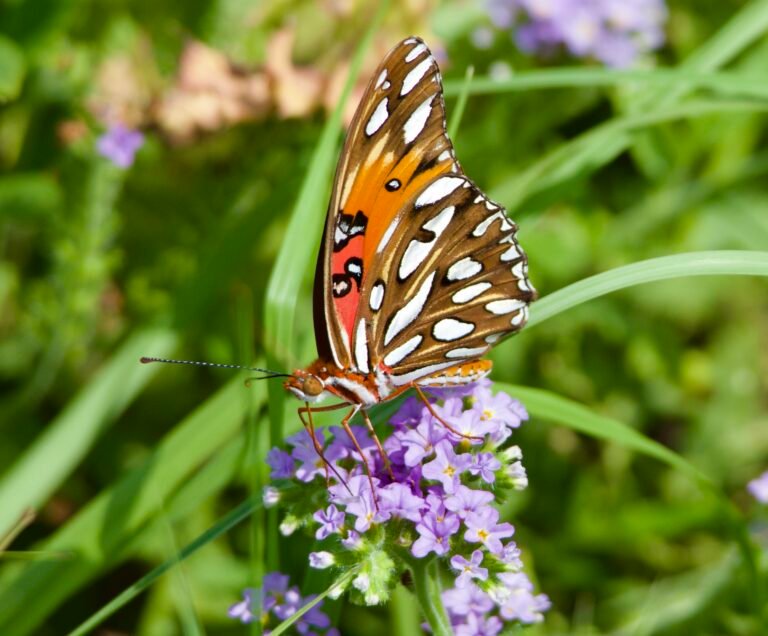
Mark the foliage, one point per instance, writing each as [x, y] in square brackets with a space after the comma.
[647, 400]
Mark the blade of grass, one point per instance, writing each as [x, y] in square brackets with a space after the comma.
[727, 84]
[547, 405]
[342, 582]
[54, 454]
[587, 152]
[229, 521]
[461, 103]
[718, 263]
[293, 261]
[101, 531]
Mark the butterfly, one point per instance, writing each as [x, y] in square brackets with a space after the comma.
[419, 273]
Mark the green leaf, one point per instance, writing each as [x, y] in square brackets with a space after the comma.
[727, 84]
[12, 69]
[45, 464]
[547, 405]
[31, 197]
[720, 263]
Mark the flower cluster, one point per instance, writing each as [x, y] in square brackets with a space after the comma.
[614, 32]
[275, 601]
[758, 488]
[120, 145]
[431, 496]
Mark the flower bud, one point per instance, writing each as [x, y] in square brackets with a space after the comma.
[511, 454]
[270, 496]
[289, 525]
[321, 560]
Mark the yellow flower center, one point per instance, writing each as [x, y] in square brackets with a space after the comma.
[450, 471]
[482, 534]
[487, 414]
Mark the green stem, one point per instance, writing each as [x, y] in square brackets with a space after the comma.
[426, 583]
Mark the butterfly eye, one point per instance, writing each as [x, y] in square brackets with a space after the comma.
[312, 386]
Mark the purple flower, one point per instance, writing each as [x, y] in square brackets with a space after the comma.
[465, 500]
[613, 32]
[469, 569]
[468, 600]
[435, 531]
[483, 527]
[282, 464]
[485, 465]
[758, 488]
[470, 425]
[510, 556]
[447, 466]
[500, 411]
[411, 412]
[478, 625]
[331, 520]
[397, 500]
[119, 144]
[359, 503]
[242, 610]
[521, 604]
[419, 442]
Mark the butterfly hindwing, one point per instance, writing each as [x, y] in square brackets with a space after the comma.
[396, 145]
[451, 281]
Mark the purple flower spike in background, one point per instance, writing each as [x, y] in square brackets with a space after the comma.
[120, 144]
[758, 488]
[614, 32]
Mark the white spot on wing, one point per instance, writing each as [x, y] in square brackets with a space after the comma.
[520, 317]
[494, 337]
[410, 311]
[449, 329]
[361, 347]
[379, 116]
[398, 354]
[445, 155]
[466, 352]
[415, 52]
[483, 226]
[386, 236]
[418, 119]
[406, 378]
[506, 306]
[382, 78]
[377, 296]
[465, 268]
[417, 251]
[437, 190]
[511, 254]
[413, 77]
[470, 293]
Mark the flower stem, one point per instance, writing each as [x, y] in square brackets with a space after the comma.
[426, 582]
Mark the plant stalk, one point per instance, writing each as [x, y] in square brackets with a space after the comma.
[426, 583]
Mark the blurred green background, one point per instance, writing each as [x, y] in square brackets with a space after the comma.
[124, 464]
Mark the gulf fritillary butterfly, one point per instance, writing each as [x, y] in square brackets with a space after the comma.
[419, 273]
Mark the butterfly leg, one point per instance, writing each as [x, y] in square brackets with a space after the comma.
[382, 452]
[309, 426]
[434, 414]
[345, 425]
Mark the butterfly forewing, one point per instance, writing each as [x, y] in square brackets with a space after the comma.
[419, 271]
[395, 147]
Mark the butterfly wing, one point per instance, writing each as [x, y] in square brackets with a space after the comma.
[396, 145]
[419, 271]
[451, 282]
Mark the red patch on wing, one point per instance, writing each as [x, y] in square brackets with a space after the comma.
[346, 305]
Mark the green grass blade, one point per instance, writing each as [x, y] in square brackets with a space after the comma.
[342, 582]
[12, 69]
[726, 84]
[295, 260]
[98, 534]
[550, 406]
[720, 263]
[67, 439]
[234, 517]
[461, 103]
[600, 145]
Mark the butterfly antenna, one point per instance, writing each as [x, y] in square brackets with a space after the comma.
[197, 363]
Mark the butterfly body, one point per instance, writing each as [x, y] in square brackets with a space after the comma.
[419, 273]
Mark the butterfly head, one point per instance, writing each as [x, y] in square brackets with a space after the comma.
[306, 386]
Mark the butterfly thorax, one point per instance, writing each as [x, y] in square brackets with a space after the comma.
[322, 379]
